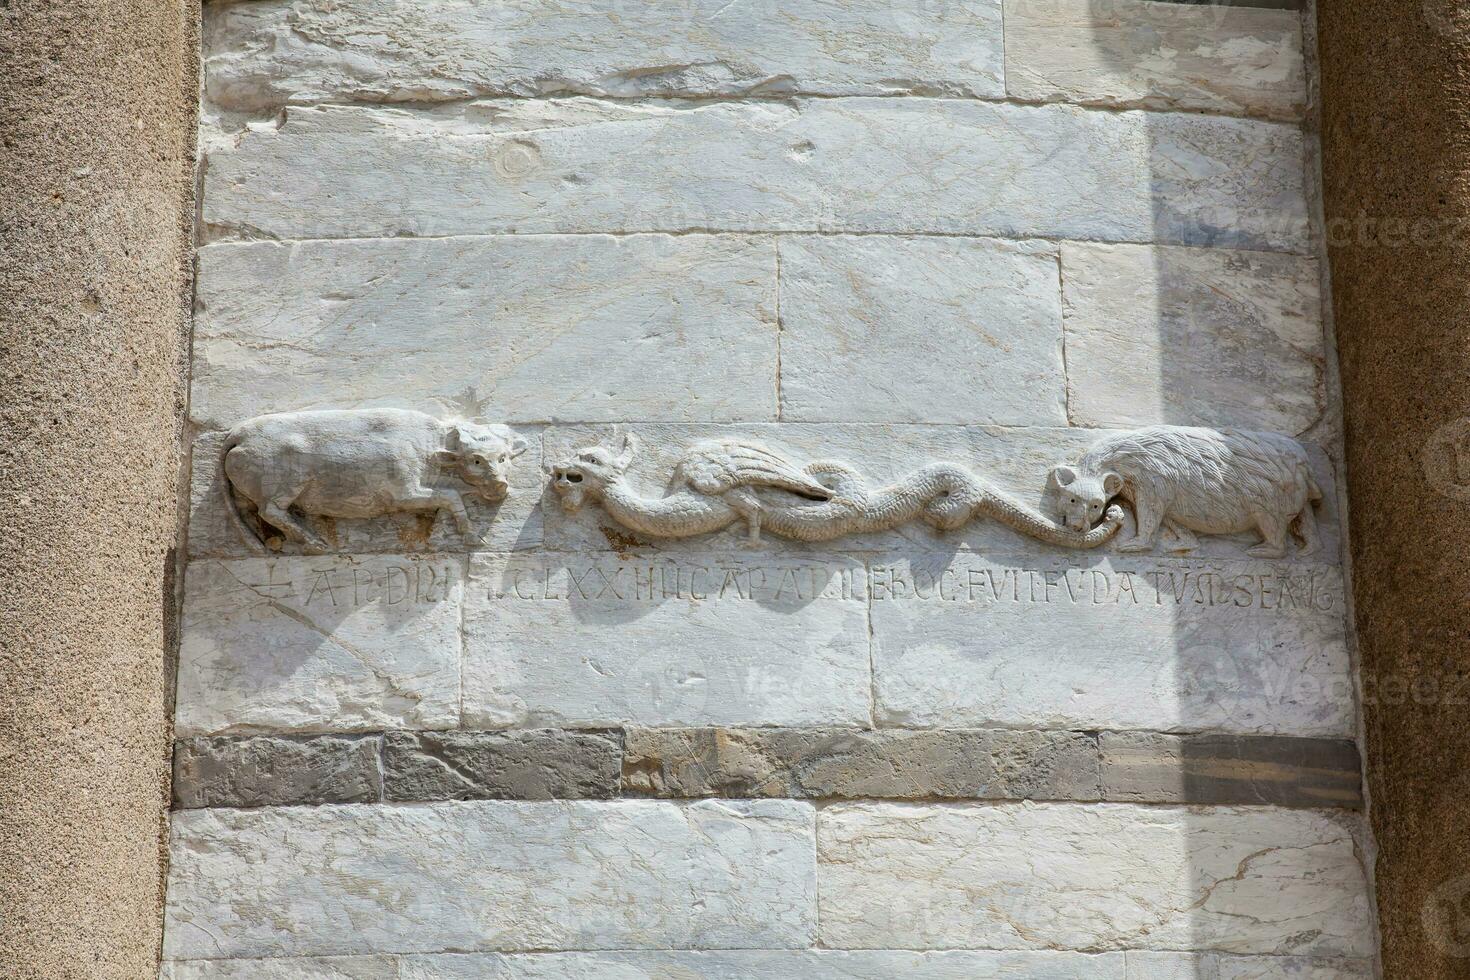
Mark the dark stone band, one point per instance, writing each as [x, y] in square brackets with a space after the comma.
[1267, 4]
[810, 764]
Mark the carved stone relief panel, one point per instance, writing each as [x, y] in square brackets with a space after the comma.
[361, 482]
[1182, 480]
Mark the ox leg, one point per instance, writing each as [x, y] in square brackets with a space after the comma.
[443, 498]
[277, 513]
[1273, 537]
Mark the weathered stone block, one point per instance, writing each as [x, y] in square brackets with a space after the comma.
[293, 968]
[877, 165]
[588, 641]
[1096, 877]
[758, 964]
[1112, 643]
[523, 765]
[509, 525]
[276, 770]
[1013, 460]
[1292, 968]
[1190, 336]
[304, 881]
[525, 328]
[898, 329]
[1144, 965]
[260, 55]
[1217, 57]
[1302, 772]
[835, 764]
[314, 644]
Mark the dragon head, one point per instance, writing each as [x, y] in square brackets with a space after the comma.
[589, 471]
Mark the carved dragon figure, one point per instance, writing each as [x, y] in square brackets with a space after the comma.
[719, 482]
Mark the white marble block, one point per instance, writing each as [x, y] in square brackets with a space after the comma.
[859, 164]
[528, 329]
[1191, 336]
[897, 329]
[1111, 643]
[1096, 877]
[301, 881]
[720, 639]
[320, 644]
[757, 964]
[1242, 59]
[263, 54]
[286, 968]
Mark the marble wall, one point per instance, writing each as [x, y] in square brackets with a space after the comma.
[974, 232]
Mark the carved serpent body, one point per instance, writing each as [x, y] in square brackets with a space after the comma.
[943, 495]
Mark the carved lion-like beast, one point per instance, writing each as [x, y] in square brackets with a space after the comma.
[1193, 480]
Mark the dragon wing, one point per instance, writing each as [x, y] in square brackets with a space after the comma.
[718, 465]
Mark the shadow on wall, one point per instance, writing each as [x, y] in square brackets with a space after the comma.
[1238, 296]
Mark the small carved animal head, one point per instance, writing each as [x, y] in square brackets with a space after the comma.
[483, 454]
[1081, 498]
[588, 472]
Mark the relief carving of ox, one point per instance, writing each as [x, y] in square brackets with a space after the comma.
[359, 464]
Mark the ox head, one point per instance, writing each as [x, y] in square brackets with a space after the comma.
[1081, 498]
[589, 471]
[482, 454]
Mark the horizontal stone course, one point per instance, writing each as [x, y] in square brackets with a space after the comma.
[1239, 58]
[683, 328]
[276, 770]
[530, 328]
[584, 165]
[1100, 877]
[739, 639]
[1016, 461]
[511, 877]
[800, 763]
[523, 765]
[1148, 766]
[262, 54]
[317, 881]
[777, 965]
[853, 764]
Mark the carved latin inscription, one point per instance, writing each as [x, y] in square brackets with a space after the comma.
[966, 580]
[359, 464]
